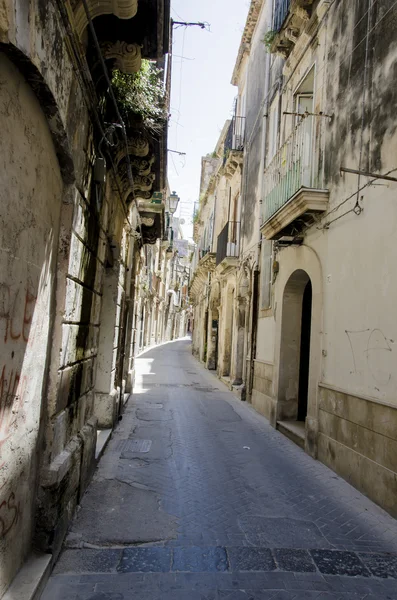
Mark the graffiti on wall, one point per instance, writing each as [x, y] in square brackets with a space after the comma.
[16, 314]
[10, 513]
[371, 351]
[16, 323]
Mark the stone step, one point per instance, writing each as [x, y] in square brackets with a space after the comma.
[31, 579]
[293, 430]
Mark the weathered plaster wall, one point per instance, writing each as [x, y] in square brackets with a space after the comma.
[354, 357]
[30, 202]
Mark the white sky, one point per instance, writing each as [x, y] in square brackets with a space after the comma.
[201, 95]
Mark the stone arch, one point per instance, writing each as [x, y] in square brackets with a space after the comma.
[298, 266]
[49, 107]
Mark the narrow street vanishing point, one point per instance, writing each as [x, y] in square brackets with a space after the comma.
[198, 498]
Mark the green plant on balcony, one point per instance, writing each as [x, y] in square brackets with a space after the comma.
[269, 39]
[141, 96]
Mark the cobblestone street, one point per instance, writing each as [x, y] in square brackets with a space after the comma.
[198, 498]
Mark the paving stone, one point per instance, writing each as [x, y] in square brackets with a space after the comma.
[198, 487]
[251, 559]
[144, 560]
[381, 565]
[336, 562]
[104, 596]
[84, 561]
[297, 561]
[200, 560]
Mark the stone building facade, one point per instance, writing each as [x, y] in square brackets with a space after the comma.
[82, 209]
[317, 218]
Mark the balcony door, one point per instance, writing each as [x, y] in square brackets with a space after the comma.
[304, 105]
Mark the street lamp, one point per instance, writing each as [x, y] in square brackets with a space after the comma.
[173, 201]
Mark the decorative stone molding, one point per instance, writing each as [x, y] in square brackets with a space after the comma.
[233, 162]
[252, 19]
[323, 7]
[127, 57]
[144, 195]
[123, 9]
[297, 20]
[144, 182]
[292, 34]
[147, 221]
[137, 146]
[141, 166]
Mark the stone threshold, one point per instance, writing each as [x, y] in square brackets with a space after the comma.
[102, 438]
[31, 579]
[293, 430]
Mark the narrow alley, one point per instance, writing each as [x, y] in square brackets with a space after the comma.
[198, 497]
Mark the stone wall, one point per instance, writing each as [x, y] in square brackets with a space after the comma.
[262, 391]
[62, 231]
[357, 438]
[30, 206]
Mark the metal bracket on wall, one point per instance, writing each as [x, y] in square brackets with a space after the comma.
[366, 174]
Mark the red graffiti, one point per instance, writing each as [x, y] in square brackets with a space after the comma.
[10, 512]
[9, 313]
[9, 408]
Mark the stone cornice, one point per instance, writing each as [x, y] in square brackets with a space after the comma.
[246, 38]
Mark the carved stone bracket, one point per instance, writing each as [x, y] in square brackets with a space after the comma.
[123, 9]
[127, 57]
[137, 145]
[144, 182]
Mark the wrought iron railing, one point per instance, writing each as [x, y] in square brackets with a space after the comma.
[234, 139]
[293, 167]
[281, 9]
[228, 245]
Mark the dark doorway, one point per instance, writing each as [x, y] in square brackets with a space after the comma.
[305, 352]
[205, 336]
[215, 334]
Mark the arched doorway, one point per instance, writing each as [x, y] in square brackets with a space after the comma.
[295, 349]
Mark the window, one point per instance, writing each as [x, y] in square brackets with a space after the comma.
[304, 102]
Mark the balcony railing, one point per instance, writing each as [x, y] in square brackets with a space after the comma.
[281, 9]
[235, 137]
[292, 168]
[228, 245]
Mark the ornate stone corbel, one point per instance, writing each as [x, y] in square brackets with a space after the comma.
[302, 12]
[127, 57]
[147, 221]
[142, 166]
[144, 182]
[292, 34]
[123, 9]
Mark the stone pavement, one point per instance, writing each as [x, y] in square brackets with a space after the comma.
[198, 498]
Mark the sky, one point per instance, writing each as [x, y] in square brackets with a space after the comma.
[201, 94]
